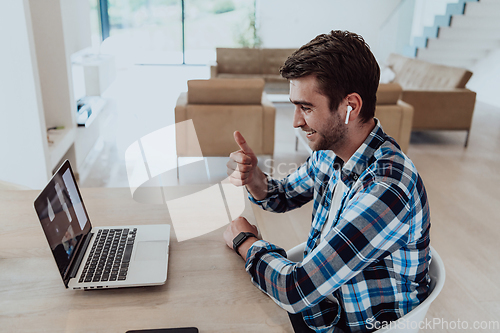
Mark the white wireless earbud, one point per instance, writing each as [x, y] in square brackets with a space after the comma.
[349, 109]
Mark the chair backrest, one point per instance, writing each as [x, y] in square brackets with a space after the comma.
[225, 91]
[217, 108]
[409, 323]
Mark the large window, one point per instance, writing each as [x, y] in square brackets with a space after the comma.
[176, 31]
[220, 23]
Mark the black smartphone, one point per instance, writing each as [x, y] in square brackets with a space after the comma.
[167, 330]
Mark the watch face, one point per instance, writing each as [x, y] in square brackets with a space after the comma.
[237, 240]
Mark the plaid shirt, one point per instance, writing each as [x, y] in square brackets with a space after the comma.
[375, 258]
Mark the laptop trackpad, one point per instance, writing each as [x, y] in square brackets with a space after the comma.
[151, 250]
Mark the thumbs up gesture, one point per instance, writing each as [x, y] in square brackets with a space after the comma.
[242, 169]
[242, 163]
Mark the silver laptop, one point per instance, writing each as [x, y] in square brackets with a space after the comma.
[98, 257]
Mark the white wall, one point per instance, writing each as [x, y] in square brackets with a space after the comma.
[486, 79]
[394, 35]
[292, 23]
[37, 37]
[53, 62]
[386, 25]
[76, 22]
[22, 125]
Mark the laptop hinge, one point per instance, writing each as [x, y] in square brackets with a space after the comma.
[79, 257]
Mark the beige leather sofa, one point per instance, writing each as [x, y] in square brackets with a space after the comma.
[436, 92]
[218, 107]
[394, 115]
[252, 63]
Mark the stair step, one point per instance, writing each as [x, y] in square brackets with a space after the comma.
[420, 42]
[461, 63]
[442, 20]
[409, 51]
[482, 9]
[460, 21]
[468, 33]
[431, 32]
[459, 45]
[470, 54]
[455, 8]
[482, 1]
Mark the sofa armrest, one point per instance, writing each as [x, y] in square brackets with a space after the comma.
[214, 70]
[395, 119]
[269, 116]
[406, 125]
[180, 115]
[181, 107]
[388, 93]
[449, 109]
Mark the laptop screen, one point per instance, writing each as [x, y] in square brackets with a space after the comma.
[63, 216]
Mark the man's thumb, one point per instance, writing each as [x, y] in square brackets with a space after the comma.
[240, 140]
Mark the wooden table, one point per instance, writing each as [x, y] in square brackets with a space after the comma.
[207, 286]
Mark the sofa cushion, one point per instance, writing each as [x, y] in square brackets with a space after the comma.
[418, 74]
[225, 91]
[396, 62]
[387, 75]
[239, 60]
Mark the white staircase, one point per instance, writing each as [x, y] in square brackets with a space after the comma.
[468, 31]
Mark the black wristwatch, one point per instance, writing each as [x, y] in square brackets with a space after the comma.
[238, 240]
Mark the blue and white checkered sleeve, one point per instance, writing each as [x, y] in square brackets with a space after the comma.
[290, 192]
[374, 223]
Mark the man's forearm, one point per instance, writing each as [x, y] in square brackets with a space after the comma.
[258, 186]
[245, 246]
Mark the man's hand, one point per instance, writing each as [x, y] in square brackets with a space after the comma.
[242, 164]
[242, 169]
[234, 228]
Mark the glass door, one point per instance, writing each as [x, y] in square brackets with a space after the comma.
[217, 23]
[175, 31]
[143, 31]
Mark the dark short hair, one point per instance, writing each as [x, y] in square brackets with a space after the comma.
[343, 64]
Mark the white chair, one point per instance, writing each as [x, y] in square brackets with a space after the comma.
[410, 322]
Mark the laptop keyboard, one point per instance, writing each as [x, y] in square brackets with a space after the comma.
[109, 257]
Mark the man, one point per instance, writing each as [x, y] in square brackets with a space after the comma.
[367, 255]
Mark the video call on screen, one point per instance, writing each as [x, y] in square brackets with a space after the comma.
[63, 218]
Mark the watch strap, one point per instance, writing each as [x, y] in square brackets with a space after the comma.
[240, 238]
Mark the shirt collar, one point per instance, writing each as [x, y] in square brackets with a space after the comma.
[363, 156]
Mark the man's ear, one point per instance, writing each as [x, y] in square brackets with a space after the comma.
[355, 101]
